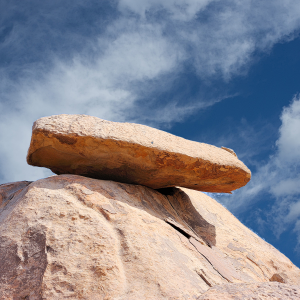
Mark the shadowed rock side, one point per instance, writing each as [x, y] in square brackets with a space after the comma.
[9, 190]
[73, 237]
[182, 204]
[22, 264]
[132, 153]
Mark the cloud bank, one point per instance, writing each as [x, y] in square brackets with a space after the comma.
[118, 59]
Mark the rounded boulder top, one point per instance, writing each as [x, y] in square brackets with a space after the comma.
[132, 153]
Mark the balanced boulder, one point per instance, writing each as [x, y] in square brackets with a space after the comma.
[132, 153]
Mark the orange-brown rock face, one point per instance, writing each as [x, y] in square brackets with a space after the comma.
[72, 237]
[132, 153]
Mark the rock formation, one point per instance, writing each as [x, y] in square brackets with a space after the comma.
[74, 237]
[132, 153]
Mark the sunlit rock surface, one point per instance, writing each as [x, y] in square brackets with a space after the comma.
[252, 291]
[132, 153]
[71, 237]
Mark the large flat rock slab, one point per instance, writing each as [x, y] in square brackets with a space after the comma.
[132, 153]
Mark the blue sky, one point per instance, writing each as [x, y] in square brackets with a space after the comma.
[221, 72]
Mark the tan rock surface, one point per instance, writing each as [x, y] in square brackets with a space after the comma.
[253, 291]
[71, 237]
[132, 153]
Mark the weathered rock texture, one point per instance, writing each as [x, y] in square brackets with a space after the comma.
[71, 237]
[132, 153]
[253, 291]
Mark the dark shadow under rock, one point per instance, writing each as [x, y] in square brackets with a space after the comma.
[183, 206]
[22, 267]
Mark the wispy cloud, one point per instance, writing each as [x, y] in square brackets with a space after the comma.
[181, 10]
[113, 59]
[221, 36]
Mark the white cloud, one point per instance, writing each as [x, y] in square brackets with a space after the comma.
[278, 177]
[222, 36]
[289, 141]
[294, 212]
[285, 187]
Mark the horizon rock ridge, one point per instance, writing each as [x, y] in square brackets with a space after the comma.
[125, 219]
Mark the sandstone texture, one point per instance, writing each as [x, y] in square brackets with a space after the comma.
[132, 153]
[253, 291]
[72, 237]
